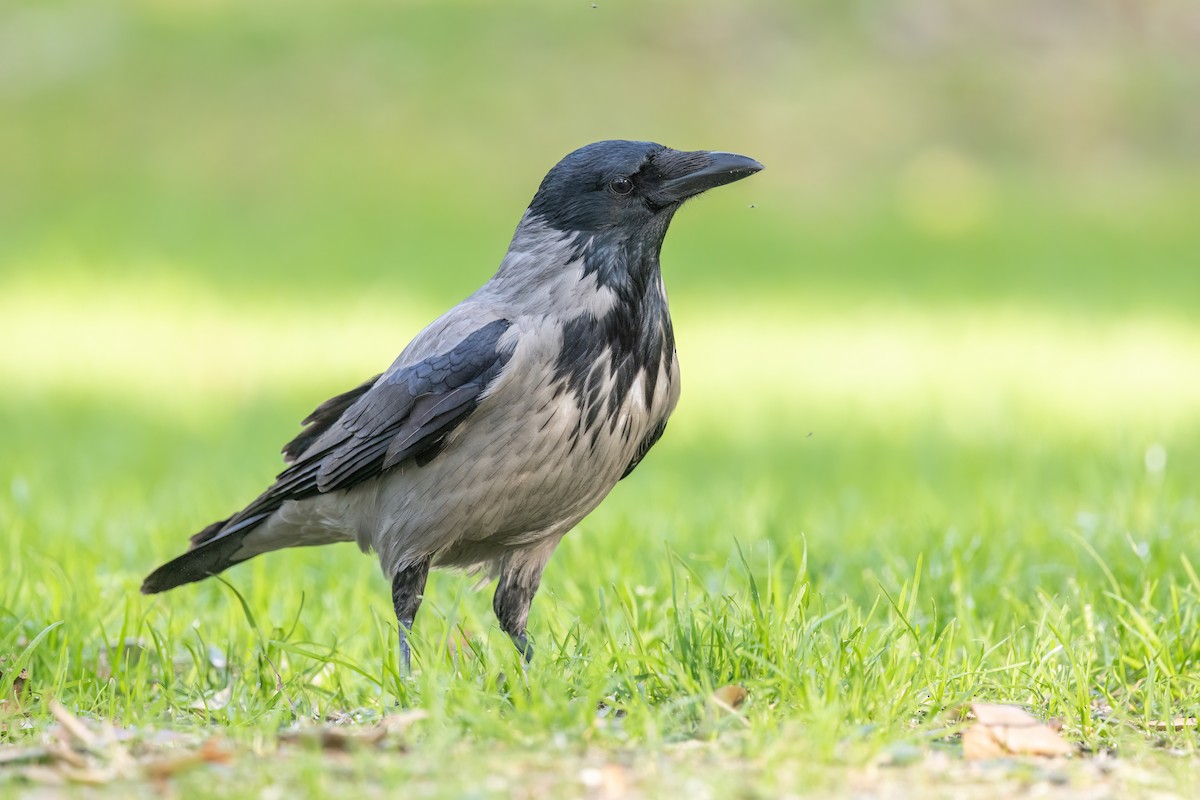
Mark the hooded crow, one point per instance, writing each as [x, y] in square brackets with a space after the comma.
[510, 417]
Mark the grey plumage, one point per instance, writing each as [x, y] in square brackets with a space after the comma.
[509, 418]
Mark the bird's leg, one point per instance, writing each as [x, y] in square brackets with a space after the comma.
[518, 584]
[408, 585]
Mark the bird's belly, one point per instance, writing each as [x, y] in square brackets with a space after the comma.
[522, 468]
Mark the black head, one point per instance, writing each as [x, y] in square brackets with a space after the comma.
[617, 184]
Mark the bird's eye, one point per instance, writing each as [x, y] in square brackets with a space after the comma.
[621, 185]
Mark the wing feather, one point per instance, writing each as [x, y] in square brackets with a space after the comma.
[322, 418]
[400, 416]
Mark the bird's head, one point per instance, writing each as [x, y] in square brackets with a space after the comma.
[607, 207]
[630, 188]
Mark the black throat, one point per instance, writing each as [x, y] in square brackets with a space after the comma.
[634, 337]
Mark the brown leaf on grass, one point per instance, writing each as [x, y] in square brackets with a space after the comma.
[94, 753]
[1176, 724]
[19, 682]
[340, 738]
[212, 751]
[337, 739]
[72, 729]
[63, 753]
[12, 704]
[1000, 731]
[79, 754]
[730, 698]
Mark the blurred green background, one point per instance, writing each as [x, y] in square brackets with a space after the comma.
[362, 164]
[956, 316]
[1040, 153]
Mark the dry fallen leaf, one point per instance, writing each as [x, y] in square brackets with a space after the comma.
[19, 682]
[1176, 724]
[80, 754]
[213, 751]
[346, 737]
[730, 698]
[72, 729]
[94, 752]
[12, 704]
[1001, 730]
[333, 737]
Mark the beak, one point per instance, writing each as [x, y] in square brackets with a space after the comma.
[688, 174]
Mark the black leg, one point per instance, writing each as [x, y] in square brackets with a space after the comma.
[408, 586]
[514, 594]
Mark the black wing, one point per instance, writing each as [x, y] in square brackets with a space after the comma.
[404, 415]
[399, 417]
[353, 437]
[322, 419]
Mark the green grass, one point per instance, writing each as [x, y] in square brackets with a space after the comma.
[862, 568]
[933, 357]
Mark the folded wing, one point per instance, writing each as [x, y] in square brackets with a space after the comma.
[401, 416]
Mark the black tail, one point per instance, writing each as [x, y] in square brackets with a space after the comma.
[213, 550]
